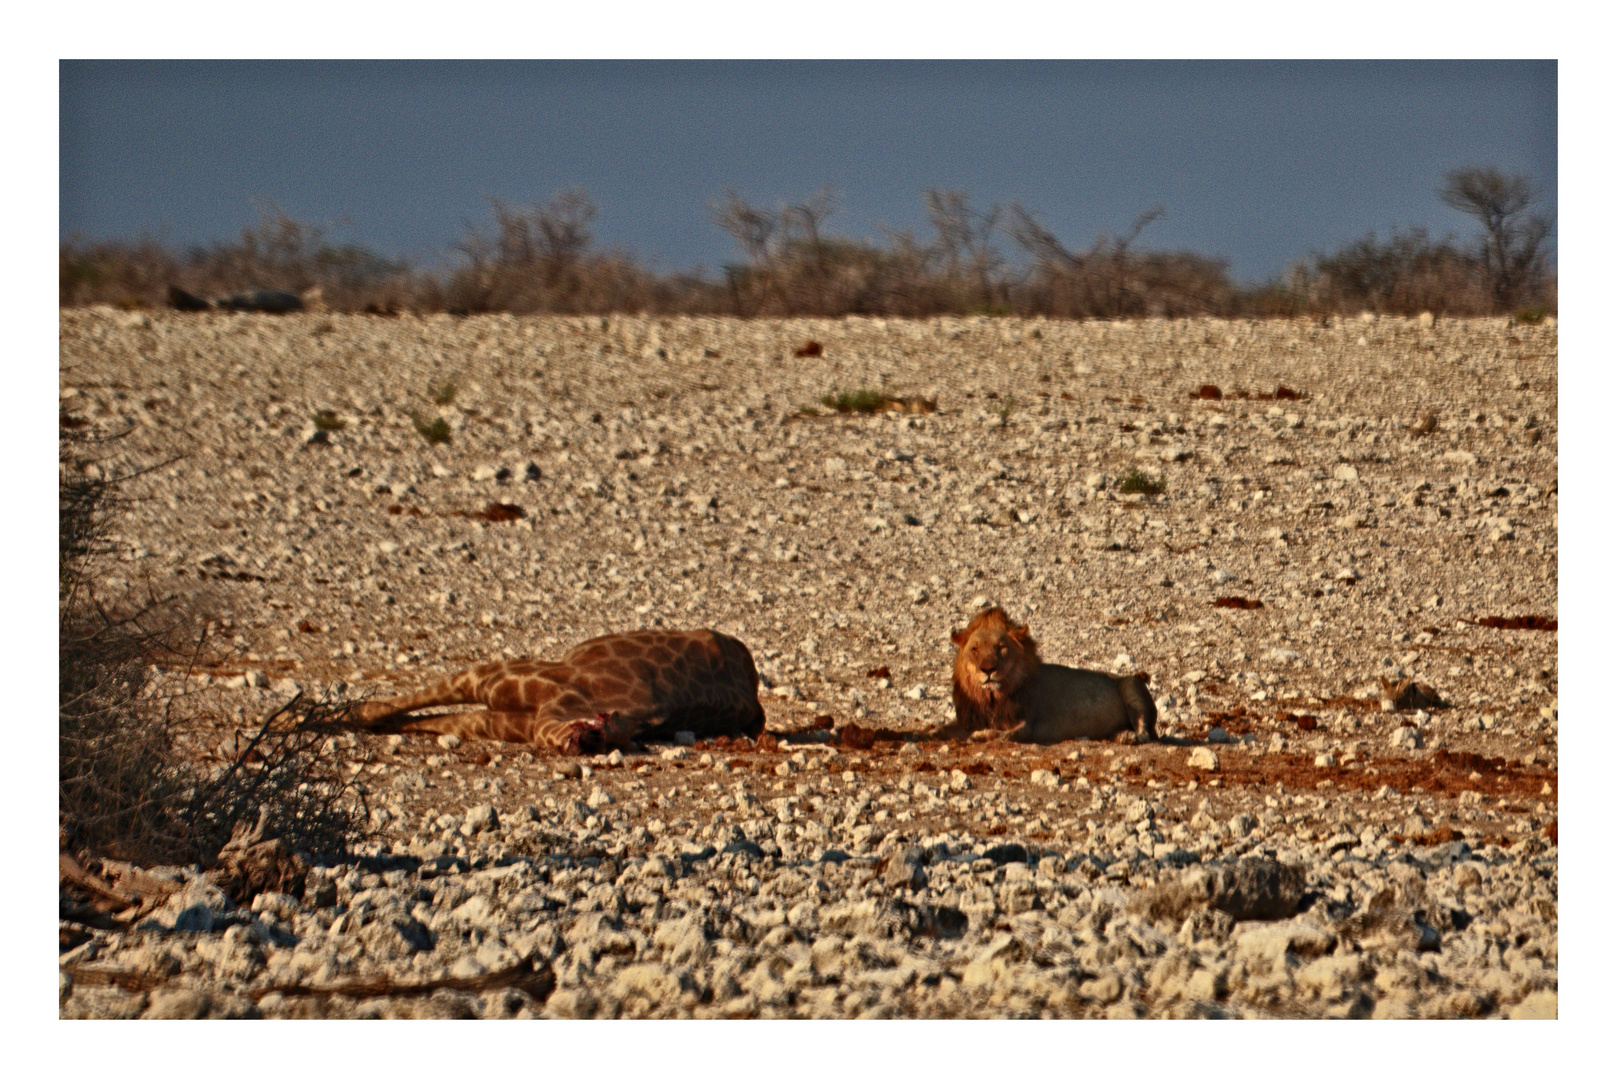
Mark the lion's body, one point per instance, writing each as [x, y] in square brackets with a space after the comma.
[1001, 684]
[604, 692]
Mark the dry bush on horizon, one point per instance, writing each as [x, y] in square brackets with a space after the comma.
[540, 260]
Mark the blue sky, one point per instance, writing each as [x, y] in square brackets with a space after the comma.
[1260, 162]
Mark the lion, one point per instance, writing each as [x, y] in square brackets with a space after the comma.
[1002, 685]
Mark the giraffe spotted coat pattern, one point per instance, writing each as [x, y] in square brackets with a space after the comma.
[603, 693]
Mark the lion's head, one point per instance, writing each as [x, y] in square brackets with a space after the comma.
[995, 659]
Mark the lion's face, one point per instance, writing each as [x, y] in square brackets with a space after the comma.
[996, 657]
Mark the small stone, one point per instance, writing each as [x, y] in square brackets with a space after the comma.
[1406, 738]
[449, 742]
[1325, 760]
[906, 870]
[178, 1004]
[685, 738]
[1203, 758]
[1218, 735]
[1345, 472]
[467, 967]
[481, 818]
[1540, 1005]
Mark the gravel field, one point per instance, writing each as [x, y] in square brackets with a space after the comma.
[1355, 507]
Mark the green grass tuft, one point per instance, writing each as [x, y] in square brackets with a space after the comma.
[1139, 483]
[860, 401]
[436, 431]
[326, 420]
[443, 393]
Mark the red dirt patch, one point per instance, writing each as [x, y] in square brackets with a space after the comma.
[809, 348]
[495, 512]
[1241, 603]
[1516, 622]
[1210, 392]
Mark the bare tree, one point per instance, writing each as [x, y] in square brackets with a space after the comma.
[964, 240]
[750, 227]
[1513, 240]
[790, 260]
[1101, 281]
[803, 224]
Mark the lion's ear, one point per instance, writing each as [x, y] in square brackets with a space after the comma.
[959, 637]
[1022, 637]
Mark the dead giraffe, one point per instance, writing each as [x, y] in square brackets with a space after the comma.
[603, 693]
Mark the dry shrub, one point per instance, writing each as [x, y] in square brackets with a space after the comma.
[1408, 274]
[540, 259]
[1111, 281]
[126, 789]
[277, 252]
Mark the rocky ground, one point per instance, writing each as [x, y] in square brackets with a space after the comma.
[1355, 507]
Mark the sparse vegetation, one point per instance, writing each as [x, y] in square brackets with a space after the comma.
[442, 393]
[1140, 483]
[326, 420]
[277, 252]
[854, 401]
[1007, 406]
[436, 431]
[541, 259]
[126, 790]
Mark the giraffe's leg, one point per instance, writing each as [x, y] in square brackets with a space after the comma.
[459, 690]
[517, 727]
